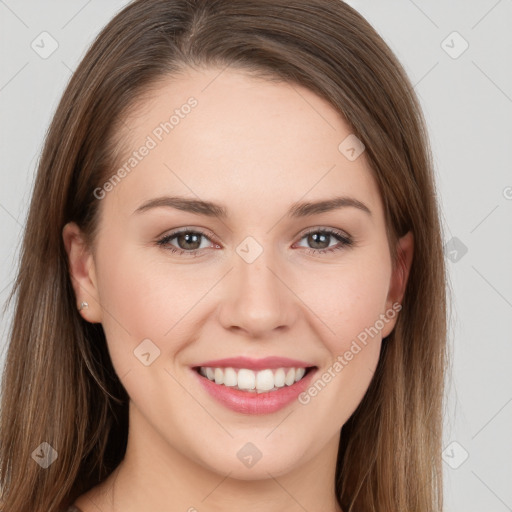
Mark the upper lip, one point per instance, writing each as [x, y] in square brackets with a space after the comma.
[255, 364]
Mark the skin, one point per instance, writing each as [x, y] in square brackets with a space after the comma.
[256, 147]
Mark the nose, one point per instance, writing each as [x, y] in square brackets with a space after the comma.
[257, 300]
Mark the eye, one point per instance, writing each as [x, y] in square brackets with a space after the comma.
[320, 240]
[188, 241]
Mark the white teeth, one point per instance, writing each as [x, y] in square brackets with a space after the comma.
[230, 377]
[290, 377]
[264, 380]
[246, 379]
[279, 378]
[299, 373]
[256, 382]
[219, 376]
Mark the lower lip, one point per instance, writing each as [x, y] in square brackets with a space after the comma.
[247, 402]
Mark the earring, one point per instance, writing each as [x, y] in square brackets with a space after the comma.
[83, 305]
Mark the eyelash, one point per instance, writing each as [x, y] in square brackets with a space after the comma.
[344, 240]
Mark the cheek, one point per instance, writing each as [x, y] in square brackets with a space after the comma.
[349, 304]
[347, 299]
[349, 308]
[145, 296]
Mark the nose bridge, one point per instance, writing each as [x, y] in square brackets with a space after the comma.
[257, 300]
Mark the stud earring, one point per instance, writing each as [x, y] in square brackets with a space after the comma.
[83, 305]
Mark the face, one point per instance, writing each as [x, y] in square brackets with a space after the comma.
[210, 248]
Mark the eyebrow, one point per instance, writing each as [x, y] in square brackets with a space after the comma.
[211, 209]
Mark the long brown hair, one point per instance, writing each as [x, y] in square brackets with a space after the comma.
[59, 385]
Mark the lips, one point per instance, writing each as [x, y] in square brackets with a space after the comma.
[256, 364]
[254, 386]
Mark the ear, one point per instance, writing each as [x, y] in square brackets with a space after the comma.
[399, 277]
[82, 272]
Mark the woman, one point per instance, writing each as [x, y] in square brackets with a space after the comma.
[231, 291]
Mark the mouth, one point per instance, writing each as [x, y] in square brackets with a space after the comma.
[265, 380]
[254, 386]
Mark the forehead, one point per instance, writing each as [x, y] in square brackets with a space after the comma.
[223, 134]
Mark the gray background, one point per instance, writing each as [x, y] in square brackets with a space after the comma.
[467, 101]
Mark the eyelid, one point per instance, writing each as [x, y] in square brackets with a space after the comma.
[189, 229]
[316, 229]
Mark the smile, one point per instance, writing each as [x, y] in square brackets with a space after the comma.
[254, 386]
[261, 381]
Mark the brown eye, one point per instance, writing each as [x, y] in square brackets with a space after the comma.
[189, 240]
[186, 241]
[320, 241]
